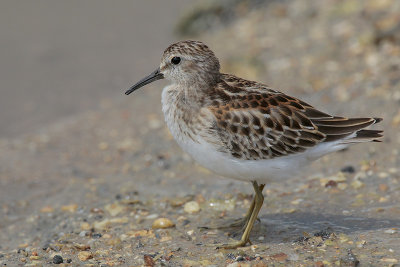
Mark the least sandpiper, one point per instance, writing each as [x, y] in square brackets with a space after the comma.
[243, 129]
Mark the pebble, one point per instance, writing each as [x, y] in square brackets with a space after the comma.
[114, 209]
[47, 209]
[390, 231]
[279, 256]
[389, 260]
[356, 184]
[190, 232]
[82, 233]
[338, 178]
[348, 169]
[85, 226]
[383, 187]
[101, 225]
[179, 201]
[162, 223]
[191, 207]
[57, 259]
[85, 255]
[70, 208]
[151, 216]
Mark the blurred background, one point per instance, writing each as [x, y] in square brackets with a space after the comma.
[85, 170]
[62, 58]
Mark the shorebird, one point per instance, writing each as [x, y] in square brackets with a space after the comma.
[244, 129]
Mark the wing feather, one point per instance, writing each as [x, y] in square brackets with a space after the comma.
[255, 122]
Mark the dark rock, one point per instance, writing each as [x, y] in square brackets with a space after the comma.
[57, 259]
[348, 169]
[325, 234]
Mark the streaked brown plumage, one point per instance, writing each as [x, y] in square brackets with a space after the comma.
[256, 122]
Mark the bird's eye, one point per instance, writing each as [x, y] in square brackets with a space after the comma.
[175, 60]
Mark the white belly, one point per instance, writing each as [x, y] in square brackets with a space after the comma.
[261, 171]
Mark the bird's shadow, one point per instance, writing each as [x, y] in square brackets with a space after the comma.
[284, 227]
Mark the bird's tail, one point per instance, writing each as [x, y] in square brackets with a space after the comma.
[349, 130]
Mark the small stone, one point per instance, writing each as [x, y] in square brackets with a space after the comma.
[101, 225]
[357, 184]
[338, 178]
[179, 201]
[190, 232]
[151, 216]
[81, 247]
[119, 220]
[148, 260]
[390, 231]
[348, 169]
[383, 187]
[239, 258]
[85, 226]
[47, 209]
[191, 207]
[279, 257]
[389, 260]
[57, 259]
[70, 208]
[143, 233]
[162, 223]
[85, 255]
[383, 175]
[383, 199]
[331, 183]
[114, 209]
[82, 233]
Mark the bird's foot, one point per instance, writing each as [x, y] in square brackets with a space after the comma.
[234, 244]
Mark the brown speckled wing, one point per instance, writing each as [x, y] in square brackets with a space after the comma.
[254, 122]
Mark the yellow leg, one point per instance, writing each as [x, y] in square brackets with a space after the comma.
[250, 211]
[255, 209]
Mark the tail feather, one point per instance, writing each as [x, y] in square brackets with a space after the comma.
[368, 136]
[349, 130]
